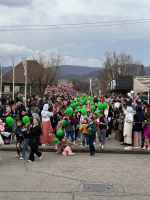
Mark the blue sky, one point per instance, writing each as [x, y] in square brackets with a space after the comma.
[84, 47]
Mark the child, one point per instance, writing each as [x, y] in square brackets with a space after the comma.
[147, 134]
[19, 138]
[26, 135]
[14, 114]
[2, 128]
[66, 147]
[92, 135]
[102, 129]
[84, 133]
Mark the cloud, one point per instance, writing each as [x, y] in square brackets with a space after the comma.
[90, 62]
[16, 3]
[113, 41]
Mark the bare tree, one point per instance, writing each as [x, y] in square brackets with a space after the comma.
[80, 85]
[119, 64]
[47, 72]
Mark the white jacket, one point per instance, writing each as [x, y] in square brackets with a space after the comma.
[46, 115]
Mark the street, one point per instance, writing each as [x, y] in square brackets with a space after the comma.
[59, 177]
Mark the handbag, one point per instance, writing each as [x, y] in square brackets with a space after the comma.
[1, 141]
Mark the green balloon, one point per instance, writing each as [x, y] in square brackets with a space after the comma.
[105, 105]
[84, 95]
[92, 103]
[98, 99]
[82, 101]
[71, 110]
[85, 99]
[64, 122]
[84, 111]
[9, 121]
[59, 132]
[78, 99]
[93, 108]
[55, 140]
[68, 111]
[89, 98]
[74, 105]
[100, 106]
[77, 96]
[78, 107]
[97, 112]
[26, 120]
[77, 103]
[79, 110]
[71, 101]
[84, 106]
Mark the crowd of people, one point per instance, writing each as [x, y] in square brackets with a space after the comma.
[127, 118]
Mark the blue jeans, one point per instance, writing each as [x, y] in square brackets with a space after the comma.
[102, 136]
[83, 139]
[79, 134]
[71, 135]
[25, 148]
[92, 148]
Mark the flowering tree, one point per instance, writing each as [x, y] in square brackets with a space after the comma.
[63, 87]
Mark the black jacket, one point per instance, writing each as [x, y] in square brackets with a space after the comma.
[34, 140]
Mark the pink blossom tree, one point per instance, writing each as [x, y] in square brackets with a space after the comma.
[63, 87]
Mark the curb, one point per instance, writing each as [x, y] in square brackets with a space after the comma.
[80, 150]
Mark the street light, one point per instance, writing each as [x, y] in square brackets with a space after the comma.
[24, 62]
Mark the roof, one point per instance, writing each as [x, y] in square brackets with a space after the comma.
[32, 67]
[141, 84]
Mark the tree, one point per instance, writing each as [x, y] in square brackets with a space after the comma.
[63, 87]
[81, 85]
[119, 64]
[48, 71]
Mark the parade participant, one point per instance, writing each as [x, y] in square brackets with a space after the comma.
[35, 132]
[147, 135]
[85, 133]
[69, 127]
[8, 128]
[45, 138]
[66, 147]
[137, 127]
[92, 135]
[128, 125]
[35, 114]
[26, 134]
[76, 123]
[102, 129]
[19, 138]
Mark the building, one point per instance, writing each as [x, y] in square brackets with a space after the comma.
[121, 85]
[33, 71]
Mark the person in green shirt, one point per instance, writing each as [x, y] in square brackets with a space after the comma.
[92, 135]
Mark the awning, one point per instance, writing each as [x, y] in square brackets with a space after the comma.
[141, 84]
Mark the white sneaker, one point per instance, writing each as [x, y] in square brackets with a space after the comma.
[43, 145]
[30, 161]
[21, 158]
[107, 138]
[100, 145]
[144, 148]
[128, 148]
[40, 157]
[74, 142]
[139, 147]
[17, 156]
[148, 148]
[81, 143]
[103, 146]
[87, 146]
[79, 139]
[94, 143]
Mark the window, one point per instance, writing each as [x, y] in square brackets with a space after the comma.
[17, 88]
[6, 89]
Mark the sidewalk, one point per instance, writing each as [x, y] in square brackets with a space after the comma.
[112, 146]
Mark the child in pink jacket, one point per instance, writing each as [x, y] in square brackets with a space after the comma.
[147, 134]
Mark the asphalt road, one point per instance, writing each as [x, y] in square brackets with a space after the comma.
[62, 178]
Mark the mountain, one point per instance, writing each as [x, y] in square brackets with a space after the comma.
[147, 71]
[78, 70]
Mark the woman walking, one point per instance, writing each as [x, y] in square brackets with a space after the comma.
[35, 132]
[46, 126]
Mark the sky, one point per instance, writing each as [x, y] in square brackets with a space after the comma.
[78, 46]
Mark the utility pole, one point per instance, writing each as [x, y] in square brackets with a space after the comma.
[91, 87]
[13, 65]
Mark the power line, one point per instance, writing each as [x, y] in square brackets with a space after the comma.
[108, 22]
[56, 28]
